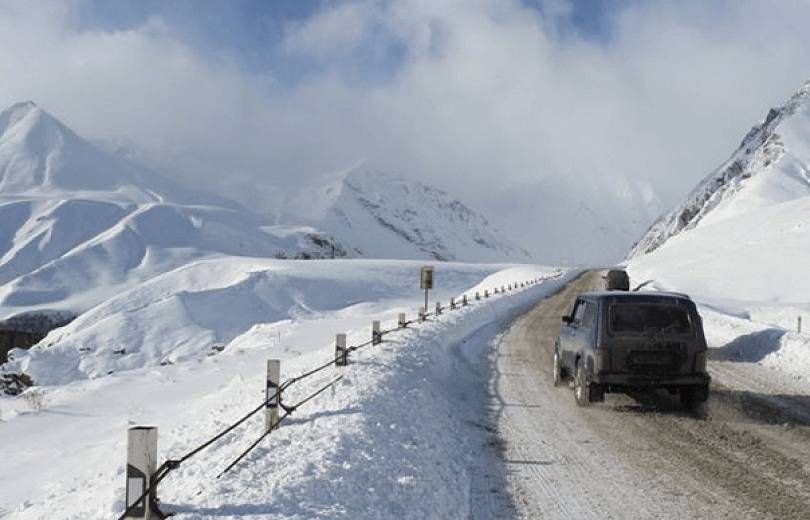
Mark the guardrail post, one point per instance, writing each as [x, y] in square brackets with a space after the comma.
[141, 466]
[464, 300]
[402, 321]
[376, 335]
[438, 308]
[452, 304]
[341, 354]
[272, 397]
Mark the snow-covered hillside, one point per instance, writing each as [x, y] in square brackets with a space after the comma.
[379, 215]
[739, 243]
[79, 224]
[769, 167]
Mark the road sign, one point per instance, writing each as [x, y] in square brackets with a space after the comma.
[426, 279]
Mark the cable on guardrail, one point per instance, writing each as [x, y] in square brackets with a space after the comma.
[171, 464]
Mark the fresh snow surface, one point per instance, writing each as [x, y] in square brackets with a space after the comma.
[740, 243]
[402, 435]
[379, 215]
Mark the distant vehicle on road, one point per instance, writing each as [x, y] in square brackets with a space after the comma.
[617, 280]
[623, 341]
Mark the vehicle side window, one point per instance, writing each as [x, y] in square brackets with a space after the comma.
[589, 315]
[579, 311]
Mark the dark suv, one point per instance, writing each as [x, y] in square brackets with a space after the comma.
[625, 341]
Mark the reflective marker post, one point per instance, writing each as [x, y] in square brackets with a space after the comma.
[141, 466]
[271, 394]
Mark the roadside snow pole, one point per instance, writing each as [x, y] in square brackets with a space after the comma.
[799, 324]
[426, 282]
[341, 354]
[452, 304]
[271, 394]
[503, 289]
[422, 314]
[464, 301]
[402, 321]
[438, 308]
[376, 335]
[141, 466]
[486, 293]
[477, 295]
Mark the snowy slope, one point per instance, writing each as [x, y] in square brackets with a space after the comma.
[740, 243]
[80, 224]
[770, 166]
[378, 215]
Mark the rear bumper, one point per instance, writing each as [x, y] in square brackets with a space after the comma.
[644, 380]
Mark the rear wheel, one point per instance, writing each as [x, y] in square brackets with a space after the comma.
[582, 386]
[556, 369]
[692, 398]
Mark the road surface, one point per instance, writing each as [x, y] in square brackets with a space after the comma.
[746, 456]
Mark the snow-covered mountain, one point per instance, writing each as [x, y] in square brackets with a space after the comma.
[771, 166]
[78, 224]
[379, 215]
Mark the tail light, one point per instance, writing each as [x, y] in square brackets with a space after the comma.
[700, 361]
[602, 359]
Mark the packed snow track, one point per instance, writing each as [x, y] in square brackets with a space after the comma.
[746, 456]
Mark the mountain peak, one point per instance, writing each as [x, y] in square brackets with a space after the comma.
[769, 167]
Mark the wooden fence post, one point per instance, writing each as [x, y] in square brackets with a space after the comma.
[341, 354]
[376, 335]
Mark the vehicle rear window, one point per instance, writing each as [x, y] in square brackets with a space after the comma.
[649, 318]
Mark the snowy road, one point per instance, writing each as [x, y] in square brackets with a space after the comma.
[748, 456]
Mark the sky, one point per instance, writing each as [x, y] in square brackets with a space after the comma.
[465, 95]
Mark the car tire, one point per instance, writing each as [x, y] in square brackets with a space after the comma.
[556, 369]
[582, 386]
[693, 398]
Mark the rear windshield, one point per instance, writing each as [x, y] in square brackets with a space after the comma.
[649, 318]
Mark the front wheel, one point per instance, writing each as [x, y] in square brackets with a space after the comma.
[582, 386]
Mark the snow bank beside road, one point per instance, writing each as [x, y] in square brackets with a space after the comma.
[391, 437]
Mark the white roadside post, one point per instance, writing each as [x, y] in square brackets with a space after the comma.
[452, 304]
[503, 289]
[477, 295]
[271, 398]
[426, 282]
[141, 466]
[341, 354]
[402, 321]
[464, 300]
[422, 314]
[438, 308]
[376, 335]
[799, 324]
[486, 293]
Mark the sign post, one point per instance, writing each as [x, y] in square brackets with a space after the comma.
[426, 282]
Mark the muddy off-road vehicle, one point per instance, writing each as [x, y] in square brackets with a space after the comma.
[620, 342]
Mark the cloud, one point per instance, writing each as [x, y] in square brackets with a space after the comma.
[477, 93]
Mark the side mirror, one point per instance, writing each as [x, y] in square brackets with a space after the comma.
[567, 319]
